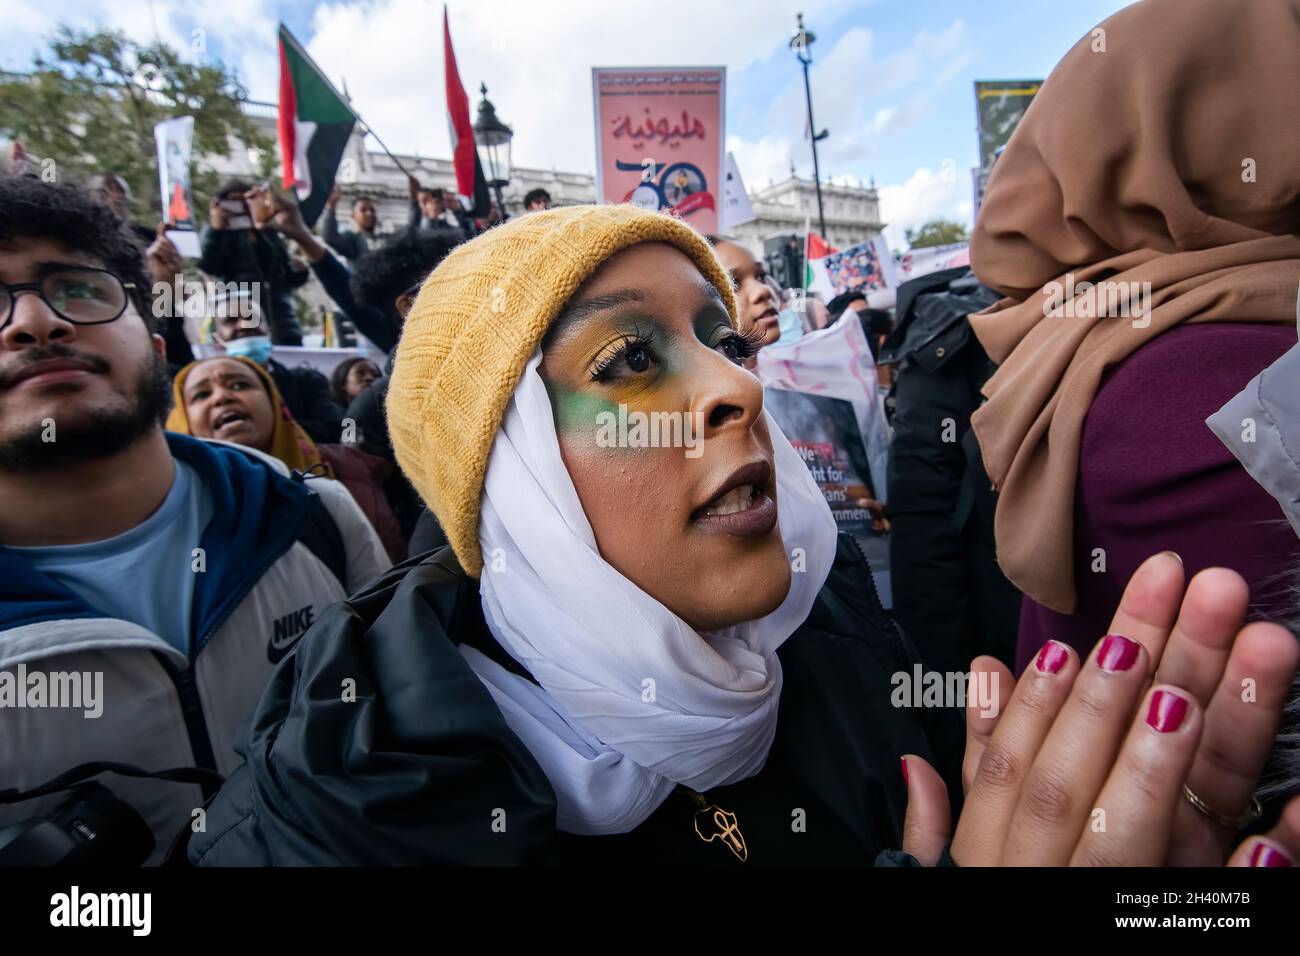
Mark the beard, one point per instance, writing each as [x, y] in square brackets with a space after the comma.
[99, 433]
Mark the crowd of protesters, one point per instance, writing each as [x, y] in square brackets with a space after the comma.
[448, 604]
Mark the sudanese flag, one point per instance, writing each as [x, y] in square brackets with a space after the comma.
[315, 123]
[471, 184]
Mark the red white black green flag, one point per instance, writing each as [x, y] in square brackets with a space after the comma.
[315, 123]
[471, 184]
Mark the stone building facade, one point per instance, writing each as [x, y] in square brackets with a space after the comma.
[781, 209]
[852, 212]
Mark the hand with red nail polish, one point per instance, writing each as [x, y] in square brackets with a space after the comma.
[1279, 847]
[1084, 763]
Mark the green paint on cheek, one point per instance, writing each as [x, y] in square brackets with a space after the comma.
[576, 411]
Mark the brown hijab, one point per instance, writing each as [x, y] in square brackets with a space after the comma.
[1170, 157]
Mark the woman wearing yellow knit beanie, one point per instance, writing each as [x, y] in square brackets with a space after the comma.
[647, 642]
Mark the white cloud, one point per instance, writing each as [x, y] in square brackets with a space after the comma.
[536, 61]
[25, 25]
[243, 31]
[850, 78]
[955, 66]
[767, 160]
[927, 194]
[250, 44]
[895, 119]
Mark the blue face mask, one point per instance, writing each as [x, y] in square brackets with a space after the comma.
[256, 348]
[791, 326]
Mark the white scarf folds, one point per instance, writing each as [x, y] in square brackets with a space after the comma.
[632, 700]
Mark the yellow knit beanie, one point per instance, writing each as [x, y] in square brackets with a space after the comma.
[478, 319]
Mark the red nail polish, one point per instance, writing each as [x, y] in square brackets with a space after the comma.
[903, 761]
[1166, 711]
[1265, 855]
[1117, 653]
[1052, 657]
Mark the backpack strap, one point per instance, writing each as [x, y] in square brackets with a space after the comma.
[208, 779]
[320, 533]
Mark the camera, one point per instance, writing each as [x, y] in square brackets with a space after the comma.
[89, 827]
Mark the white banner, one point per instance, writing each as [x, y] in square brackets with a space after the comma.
[920, 262]
[175, 139]
[736, 207]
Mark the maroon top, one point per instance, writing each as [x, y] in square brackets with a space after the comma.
[1152, 477]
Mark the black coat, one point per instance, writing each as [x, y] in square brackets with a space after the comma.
[251, 255]
[367, 412]
[949, 594]
[307, 393]
[414, 770]
[350, 245]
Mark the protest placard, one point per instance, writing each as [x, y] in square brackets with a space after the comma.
[660, 139]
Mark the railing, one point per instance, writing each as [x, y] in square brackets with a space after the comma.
[260, 110]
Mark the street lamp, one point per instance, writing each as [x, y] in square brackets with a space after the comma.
[800, 41]
[492, 139]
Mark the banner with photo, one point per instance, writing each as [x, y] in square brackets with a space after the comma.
[824, 431]
[175, 141]
[999, 107]
[660, 139]
[919, 262]
[836, 361]
[868, 267]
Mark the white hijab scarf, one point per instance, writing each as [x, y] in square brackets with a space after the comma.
[632, 700]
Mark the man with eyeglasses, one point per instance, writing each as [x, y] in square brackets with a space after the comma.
[158, 575]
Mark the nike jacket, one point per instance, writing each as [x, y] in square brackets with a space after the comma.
[278, 551]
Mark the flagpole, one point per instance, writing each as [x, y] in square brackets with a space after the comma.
[370, 132]
[807, 244]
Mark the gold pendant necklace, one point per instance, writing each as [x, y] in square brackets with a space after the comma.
[714, 823]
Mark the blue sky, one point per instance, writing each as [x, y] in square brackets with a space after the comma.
[892, 79]
[1010, 39]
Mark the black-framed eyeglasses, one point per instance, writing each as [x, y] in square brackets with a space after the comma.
[81, 295]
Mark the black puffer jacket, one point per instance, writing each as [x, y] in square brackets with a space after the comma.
[419, 767]
[948, 590]
[249, 255]
[307, 393]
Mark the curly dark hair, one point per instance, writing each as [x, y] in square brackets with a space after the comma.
[379, 277]
[67, 214]
[535, 195]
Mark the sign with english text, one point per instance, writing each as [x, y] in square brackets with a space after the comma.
[661, 139]
[824, 431]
